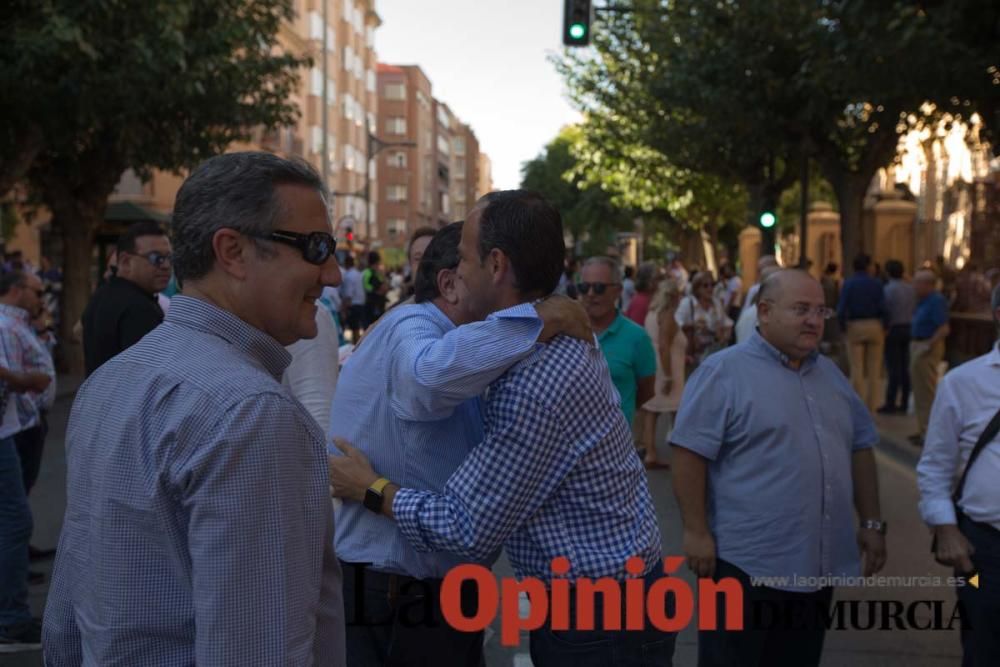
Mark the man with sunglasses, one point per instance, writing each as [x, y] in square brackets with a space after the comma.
[125, 309]
[199, 528]
[626, 345]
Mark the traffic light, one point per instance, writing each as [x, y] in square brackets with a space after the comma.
[576, 22]
[767, 219]
[349, 235]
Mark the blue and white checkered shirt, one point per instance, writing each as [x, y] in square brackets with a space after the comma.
[26, 354]
[557, 475]
[407, 399]
[198, 526]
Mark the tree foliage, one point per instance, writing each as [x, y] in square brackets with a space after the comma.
[589, 214]
[745, 91]
[135, 84]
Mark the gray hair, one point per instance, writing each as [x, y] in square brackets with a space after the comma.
[645, 276]
[610, 262]
[234, 191]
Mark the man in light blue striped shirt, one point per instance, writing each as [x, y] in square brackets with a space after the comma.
[198, 525]
[408, 398]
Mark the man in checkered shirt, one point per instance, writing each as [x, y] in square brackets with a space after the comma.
[556, 474]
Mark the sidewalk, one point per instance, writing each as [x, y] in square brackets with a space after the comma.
[895, 431]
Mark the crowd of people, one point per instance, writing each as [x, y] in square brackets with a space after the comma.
[498, 398]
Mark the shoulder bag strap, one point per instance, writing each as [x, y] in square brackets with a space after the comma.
[985, 437]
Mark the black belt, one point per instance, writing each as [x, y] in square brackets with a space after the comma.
[917, 340]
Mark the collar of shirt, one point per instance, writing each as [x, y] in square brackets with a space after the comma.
[760, 344]
[203, 316]
[15, 313]
[613, 328]
[995, 355]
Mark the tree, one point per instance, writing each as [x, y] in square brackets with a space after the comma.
[675, 203]
[157, 84]
[586, 209]
[746, 90]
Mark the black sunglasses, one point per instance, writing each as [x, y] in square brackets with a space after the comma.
[599, 288]
[155, 258]
[316, 247]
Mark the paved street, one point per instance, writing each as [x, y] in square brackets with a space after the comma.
[908, 556]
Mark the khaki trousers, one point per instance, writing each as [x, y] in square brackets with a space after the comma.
[865, 346]
[925, 363]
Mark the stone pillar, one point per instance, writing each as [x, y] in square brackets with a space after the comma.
[892, 230]
[749, 253]
[824, 237]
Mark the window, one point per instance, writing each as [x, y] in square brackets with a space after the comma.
[394, 91]
[395, 227]
[315, 25]
[316, 136]
[444, 203]
[348, 58]
[316, 81]
[395, 125]
[397, 159]
[443, 144]
[371, 81]
[422, 100]
[396, 193]
[443, 117]
[459, 145]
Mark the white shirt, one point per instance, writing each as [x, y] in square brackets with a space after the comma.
[751, 293]
[312, 375]
[966, 400]
[746, 324]
[351, 287]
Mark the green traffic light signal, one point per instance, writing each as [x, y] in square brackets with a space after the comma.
[767, 219]
[577, 31]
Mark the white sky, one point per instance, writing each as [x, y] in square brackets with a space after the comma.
[488, 62]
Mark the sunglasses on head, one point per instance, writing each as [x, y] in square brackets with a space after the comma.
[599, 288]
[316, 247]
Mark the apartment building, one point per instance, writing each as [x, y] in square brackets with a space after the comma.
[436, 180]
[406, 174]
[348, 27]
[484, 179]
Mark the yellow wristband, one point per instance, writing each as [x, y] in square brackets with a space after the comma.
[379, 485]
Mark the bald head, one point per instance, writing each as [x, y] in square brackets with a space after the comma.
[924, 282]
[791, 312]
[766, 261]
[775, 281]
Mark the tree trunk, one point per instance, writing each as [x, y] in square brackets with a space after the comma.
[77, 216]
[26, 147]
[850, 191]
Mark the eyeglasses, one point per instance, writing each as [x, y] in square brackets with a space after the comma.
[316, 247]
[599, 288]
[155, 258]
[804, 311]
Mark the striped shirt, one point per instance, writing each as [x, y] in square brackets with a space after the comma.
[25, 353]
[556, 475]
[198, 523]
[407, 398]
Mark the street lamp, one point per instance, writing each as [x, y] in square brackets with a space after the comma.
[374, 146]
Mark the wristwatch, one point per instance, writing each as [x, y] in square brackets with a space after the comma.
[374, 496]
[877, 525]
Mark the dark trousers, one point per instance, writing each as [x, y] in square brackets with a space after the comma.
[981, 622]
[30, 444]
[779, 627]
[897, 362]
[605, 648]
[396, 621]
[15, 531]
